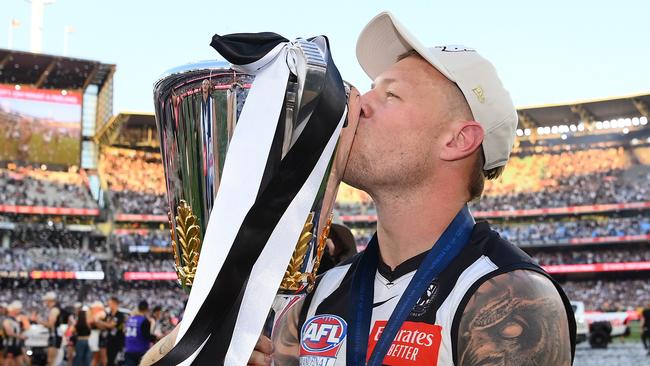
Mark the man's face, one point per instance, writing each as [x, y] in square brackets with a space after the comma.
[401, 122]
[112, 305]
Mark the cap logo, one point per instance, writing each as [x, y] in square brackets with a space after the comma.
[478, 91]
[456, 48]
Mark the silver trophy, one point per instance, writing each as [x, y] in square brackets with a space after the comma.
[198, 108]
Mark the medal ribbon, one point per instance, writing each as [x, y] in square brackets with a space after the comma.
[448, 246]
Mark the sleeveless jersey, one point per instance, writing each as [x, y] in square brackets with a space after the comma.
[429, 334]
[135, 342]
[13, 341]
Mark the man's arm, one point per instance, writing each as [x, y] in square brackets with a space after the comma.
[161, 348]
[51, 319]
[9, 330]
[516, 318]
[145, 327]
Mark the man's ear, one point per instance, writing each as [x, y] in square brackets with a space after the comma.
[466, 137]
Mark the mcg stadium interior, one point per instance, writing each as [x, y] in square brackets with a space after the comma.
[575, 196]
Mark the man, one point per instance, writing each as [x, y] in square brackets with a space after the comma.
[156, 320]
[3, 316]
[436, 123]
[138, 335]
[52, 324]
[13, 326]
[96, 343]
[114, 330]
[645, 329]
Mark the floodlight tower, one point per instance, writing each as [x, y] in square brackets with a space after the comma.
[36, 26]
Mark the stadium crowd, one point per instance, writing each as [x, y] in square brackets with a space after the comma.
[27, 186]
[48, 259]
[552, 232]
[551, 179]
[144, 262]
[589, 256]
[51, 235]
[94, 318]
[610, 295]
[136, 181]
[523, 232]
[152, 238]
[163, 293]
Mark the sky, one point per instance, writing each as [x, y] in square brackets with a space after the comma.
[546, 52]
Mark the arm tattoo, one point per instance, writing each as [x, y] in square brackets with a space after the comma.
[165, 346]
[515, 318]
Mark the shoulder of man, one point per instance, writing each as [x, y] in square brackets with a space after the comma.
[515, 318]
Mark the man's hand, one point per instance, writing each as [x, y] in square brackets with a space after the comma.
[262, 353]
[516, 318]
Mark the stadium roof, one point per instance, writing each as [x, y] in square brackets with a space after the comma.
[109, 132]
[51, 72]
[585, 111]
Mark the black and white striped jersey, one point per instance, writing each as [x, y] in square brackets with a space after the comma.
[429, 334]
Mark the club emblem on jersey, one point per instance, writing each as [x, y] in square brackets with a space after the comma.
[424, 302]
[321, 338]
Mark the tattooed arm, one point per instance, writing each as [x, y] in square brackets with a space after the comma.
[161, 348]
[516, 318]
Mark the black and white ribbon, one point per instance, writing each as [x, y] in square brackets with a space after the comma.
[259, 212]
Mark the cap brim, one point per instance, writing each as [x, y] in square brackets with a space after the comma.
[383, 40]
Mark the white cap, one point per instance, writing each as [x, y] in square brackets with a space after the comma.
[49, 296]
[15, 305]
[385, 38]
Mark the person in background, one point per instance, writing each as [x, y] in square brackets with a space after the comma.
[645, 329]
[114, 330]
[157, 322]
[3, 316]
[138, 337]
[98, 316]
[81, 331]
[52, 324]
[13, 327]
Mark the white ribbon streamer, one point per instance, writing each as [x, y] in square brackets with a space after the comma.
[268, 271]
[243, 169]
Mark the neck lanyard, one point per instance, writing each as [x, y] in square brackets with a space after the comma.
[448, 246]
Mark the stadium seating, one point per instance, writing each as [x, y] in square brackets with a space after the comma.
[136, 181]
[26, 186]
[550, 179]
[610, 295]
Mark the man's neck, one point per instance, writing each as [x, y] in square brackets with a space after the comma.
[410, 223]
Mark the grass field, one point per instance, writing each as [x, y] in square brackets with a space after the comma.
[66, 152]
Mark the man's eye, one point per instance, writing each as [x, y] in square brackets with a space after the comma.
[391, 95]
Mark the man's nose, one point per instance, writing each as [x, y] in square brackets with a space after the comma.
[366, 108]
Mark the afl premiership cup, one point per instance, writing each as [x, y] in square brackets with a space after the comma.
[253, 151]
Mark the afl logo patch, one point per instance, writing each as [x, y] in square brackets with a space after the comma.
[322, 335]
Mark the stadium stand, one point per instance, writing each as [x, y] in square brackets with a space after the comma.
[136, 181]
[610, 295]
[27, 186]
